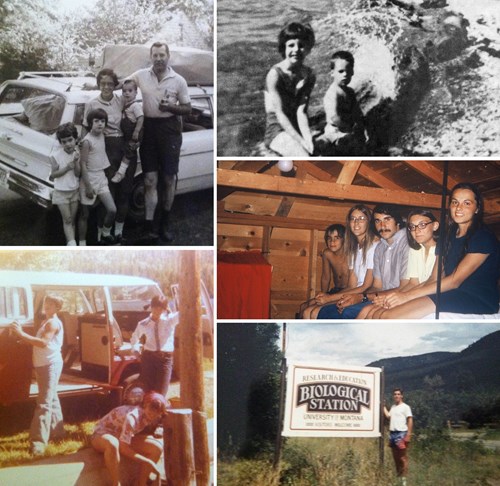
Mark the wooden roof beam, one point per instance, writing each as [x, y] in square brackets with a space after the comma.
[330, 190]
[430, 171]
[348, 172]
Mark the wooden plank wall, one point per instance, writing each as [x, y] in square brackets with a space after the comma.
[295, 255]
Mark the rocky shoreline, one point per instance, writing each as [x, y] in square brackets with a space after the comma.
[426, 74]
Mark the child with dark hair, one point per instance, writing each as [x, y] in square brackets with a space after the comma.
[118, 434]
[288, 88]
[344, 130]
[94, 183]
[131, 125]
[334, 268]
[66, 169]
[471, 258]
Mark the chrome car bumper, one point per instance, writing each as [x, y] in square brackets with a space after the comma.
[37, 191]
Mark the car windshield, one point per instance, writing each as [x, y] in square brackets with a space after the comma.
[38, 109]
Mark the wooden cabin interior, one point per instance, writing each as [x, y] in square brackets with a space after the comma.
[283, 214]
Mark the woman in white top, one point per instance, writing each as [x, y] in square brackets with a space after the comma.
[360, 243]
[47, 361]
[422, 231]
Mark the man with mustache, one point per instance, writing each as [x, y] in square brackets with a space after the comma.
[390, 262]
[165, 100]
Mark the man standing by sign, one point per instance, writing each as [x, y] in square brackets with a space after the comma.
[401, 427]
[165, 99]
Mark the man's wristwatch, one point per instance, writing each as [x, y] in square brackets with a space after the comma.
[365, 298]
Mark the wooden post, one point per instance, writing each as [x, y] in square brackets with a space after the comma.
[191, 359]
[381, 442]
[178, 448]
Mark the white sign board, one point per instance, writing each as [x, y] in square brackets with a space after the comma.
[336, 401]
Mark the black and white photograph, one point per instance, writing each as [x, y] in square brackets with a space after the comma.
[358, 78]
[144, 176]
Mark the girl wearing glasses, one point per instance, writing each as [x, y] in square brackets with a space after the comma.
[359, 246]
[471, 258]
[422, 233]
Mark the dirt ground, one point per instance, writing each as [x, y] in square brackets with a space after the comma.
[25, 223]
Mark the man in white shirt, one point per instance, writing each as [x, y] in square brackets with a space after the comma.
[165, 99]
[156, 333]
[401, 428]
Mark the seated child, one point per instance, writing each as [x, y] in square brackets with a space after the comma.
[131, 125]
[117, 434]
[286, 97]
[334, 265]
[94, 183]
[344, 130]
[66, 172]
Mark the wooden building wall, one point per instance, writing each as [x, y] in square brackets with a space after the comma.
[294, 252]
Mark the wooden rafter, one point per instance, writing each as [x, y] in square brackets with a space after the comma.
[348, 172]
[330, 190]
[430, 171]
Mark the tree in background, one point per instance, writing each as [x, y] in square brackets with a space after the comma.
[248, 387]
[161, 266]
[34, 36]
[26, 28]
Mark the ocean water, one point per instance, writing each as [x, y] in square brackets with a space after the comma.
[261, 20]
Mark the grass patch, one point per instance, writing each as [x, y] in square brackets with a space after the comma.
[491, 434]
[15, 449]
[354, 462]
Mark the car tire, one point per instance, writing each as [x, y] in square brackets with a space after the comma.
[136, 206]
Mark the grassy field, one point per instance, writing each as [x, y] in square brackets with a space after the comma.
[80, 416]
[436, 461]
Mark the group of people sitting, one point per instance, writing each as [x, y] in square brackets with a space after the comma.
[289, 84]
[384, 268]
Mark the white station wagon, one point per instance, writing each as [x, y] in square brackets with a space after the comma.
[31, 109]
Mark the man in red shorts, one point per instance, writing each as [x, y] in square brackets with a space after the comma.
[401, 427]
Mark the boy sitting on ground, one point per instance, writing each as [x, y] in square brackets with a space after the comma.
[344, 130]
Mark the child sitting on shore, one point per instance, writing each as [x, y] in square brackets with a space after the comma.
[131, 125]
[334, 268]
[66, 172]
[286, 97]
[344, 130]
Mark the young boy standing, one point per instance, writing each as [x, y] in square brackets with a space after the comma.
[344, 129]
[66, 172]
[94, 183]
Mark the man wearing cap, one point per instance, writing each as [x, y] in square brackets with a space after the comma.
[156, 332]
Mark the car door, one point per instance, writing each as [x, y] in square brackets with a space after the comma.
[28, 120]
[15, 356]
[196, 161]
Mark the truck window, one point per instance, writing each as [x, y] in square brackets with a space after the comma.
[74, 302]
[13, 304]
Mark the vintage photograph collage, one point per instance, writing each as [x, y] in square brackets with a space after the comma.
[250, 243]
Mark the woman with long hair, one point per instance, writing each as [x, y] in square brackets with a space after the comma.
[471, 258]
[359, 246]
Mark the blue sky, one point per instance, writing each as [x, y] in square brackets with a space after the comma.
[361, 343]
